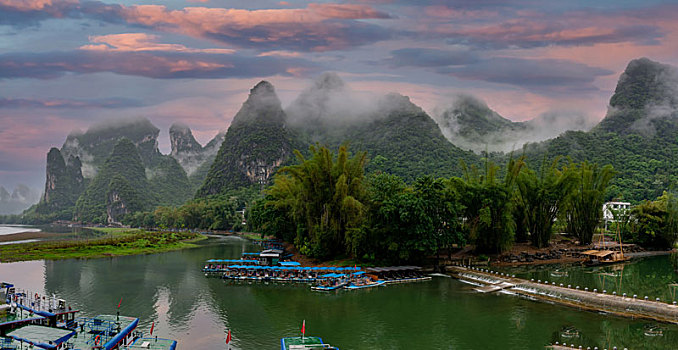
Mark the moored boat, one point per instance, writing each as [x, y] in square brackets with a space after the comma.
[304, 343]
[353, 285]
[330, 282]
[33, 321]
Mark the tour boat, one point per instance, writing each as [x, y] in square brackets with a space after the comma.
[46, 322]
[331, 281]
[353, 286]
[304, 343]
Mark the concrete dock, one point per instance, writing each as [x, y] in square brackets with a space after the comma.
[489, 282]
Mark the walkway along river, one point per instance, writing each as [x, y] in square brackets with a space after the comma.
[593, 300]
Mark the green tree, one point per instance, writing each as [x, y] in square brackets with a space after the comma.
[488, 204]
[584, 207]
[541, 195]
[324, 196]
[653, 223]
[441, 208]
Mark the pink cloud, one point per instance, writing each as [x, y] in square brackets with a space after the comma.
[133, 42]
[303, 27]
[280, 53]
[447, 12]
[346, 11]
[31, 5]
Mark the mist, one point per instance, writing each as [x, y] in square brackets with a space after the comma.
[470, 124]
[20, 199]
[329, 103]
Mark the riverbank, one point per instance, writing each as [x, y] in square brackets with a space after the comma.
[134, 243]
[562, 251]
[30, 235]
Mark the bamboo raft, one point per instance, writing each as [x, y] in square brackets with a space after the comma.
[487, 281]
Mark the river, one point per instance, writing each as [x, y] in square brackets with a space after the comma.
[170, 290]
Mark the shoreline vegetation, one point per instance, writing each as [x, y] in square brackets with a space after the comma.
[117, 242]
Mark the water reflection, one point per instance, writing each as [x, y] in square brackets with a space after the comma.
[170, 290]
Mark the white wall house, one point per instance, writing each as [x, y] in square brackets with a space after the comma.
[619, 207]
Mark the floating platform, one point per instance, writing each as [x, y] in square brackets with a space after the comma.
[153, 344]
[582, 299]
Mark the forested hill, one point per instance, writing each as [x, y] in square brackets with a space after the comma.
[638, 136]
[405, 141]
[470, 124]
[399, 137]
[256, 144]
[71, 170]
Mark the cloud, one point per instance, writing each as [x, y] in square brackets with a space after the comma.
[521, 33]
[422, 57]
[69, 103]
[155, 64]
[318, 27]
[140, 42]
[553, 74]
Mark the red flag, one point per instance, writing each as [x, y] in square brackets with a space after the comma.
[355, 267]
[120, 302]
[228, 337]
[152, 325]
[303, 328]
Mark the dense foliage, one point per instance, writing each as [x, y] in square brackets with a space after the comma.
[324, 196]
[329, 209]
[539, 198]
[256, 144]
[487, 201]
[638, 137]
[655, 223]
[121, 179]
[584, 206]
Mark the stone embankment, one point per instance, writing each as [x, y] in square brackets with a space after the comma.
[585, 299]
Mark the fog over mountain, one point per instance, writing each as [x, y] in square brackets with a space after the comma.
[470, 124]
[19, 199]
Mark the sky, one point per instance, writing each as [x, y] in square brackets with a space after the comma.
[66, 64]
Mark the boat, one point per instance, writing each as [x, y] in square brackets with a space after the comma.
[653, 331]
[330, 282]
[603, 257]
[559, 273]
[39, 321]
[398, 274]
[596, 257]
[352, 285]
[153, 343]
[304, 343]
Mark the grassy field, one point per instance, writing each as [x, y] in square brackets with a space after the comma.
[130, 243]
[115, 230]
[253, 236]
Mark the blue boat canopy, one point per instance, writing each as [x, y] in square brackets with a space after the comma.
[289, 263]
[359, 273]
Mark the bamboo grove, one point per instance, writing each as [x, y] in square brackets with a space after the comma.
[329, 208]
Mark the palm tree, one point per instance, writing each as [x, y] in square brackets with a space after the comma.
[541, 196]
[584, 208]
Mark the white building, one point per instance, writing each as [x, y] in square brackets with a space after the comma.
[622, 208]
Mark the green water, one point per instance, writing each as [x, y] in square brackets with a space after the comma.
[651, 276]
[170, 290]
